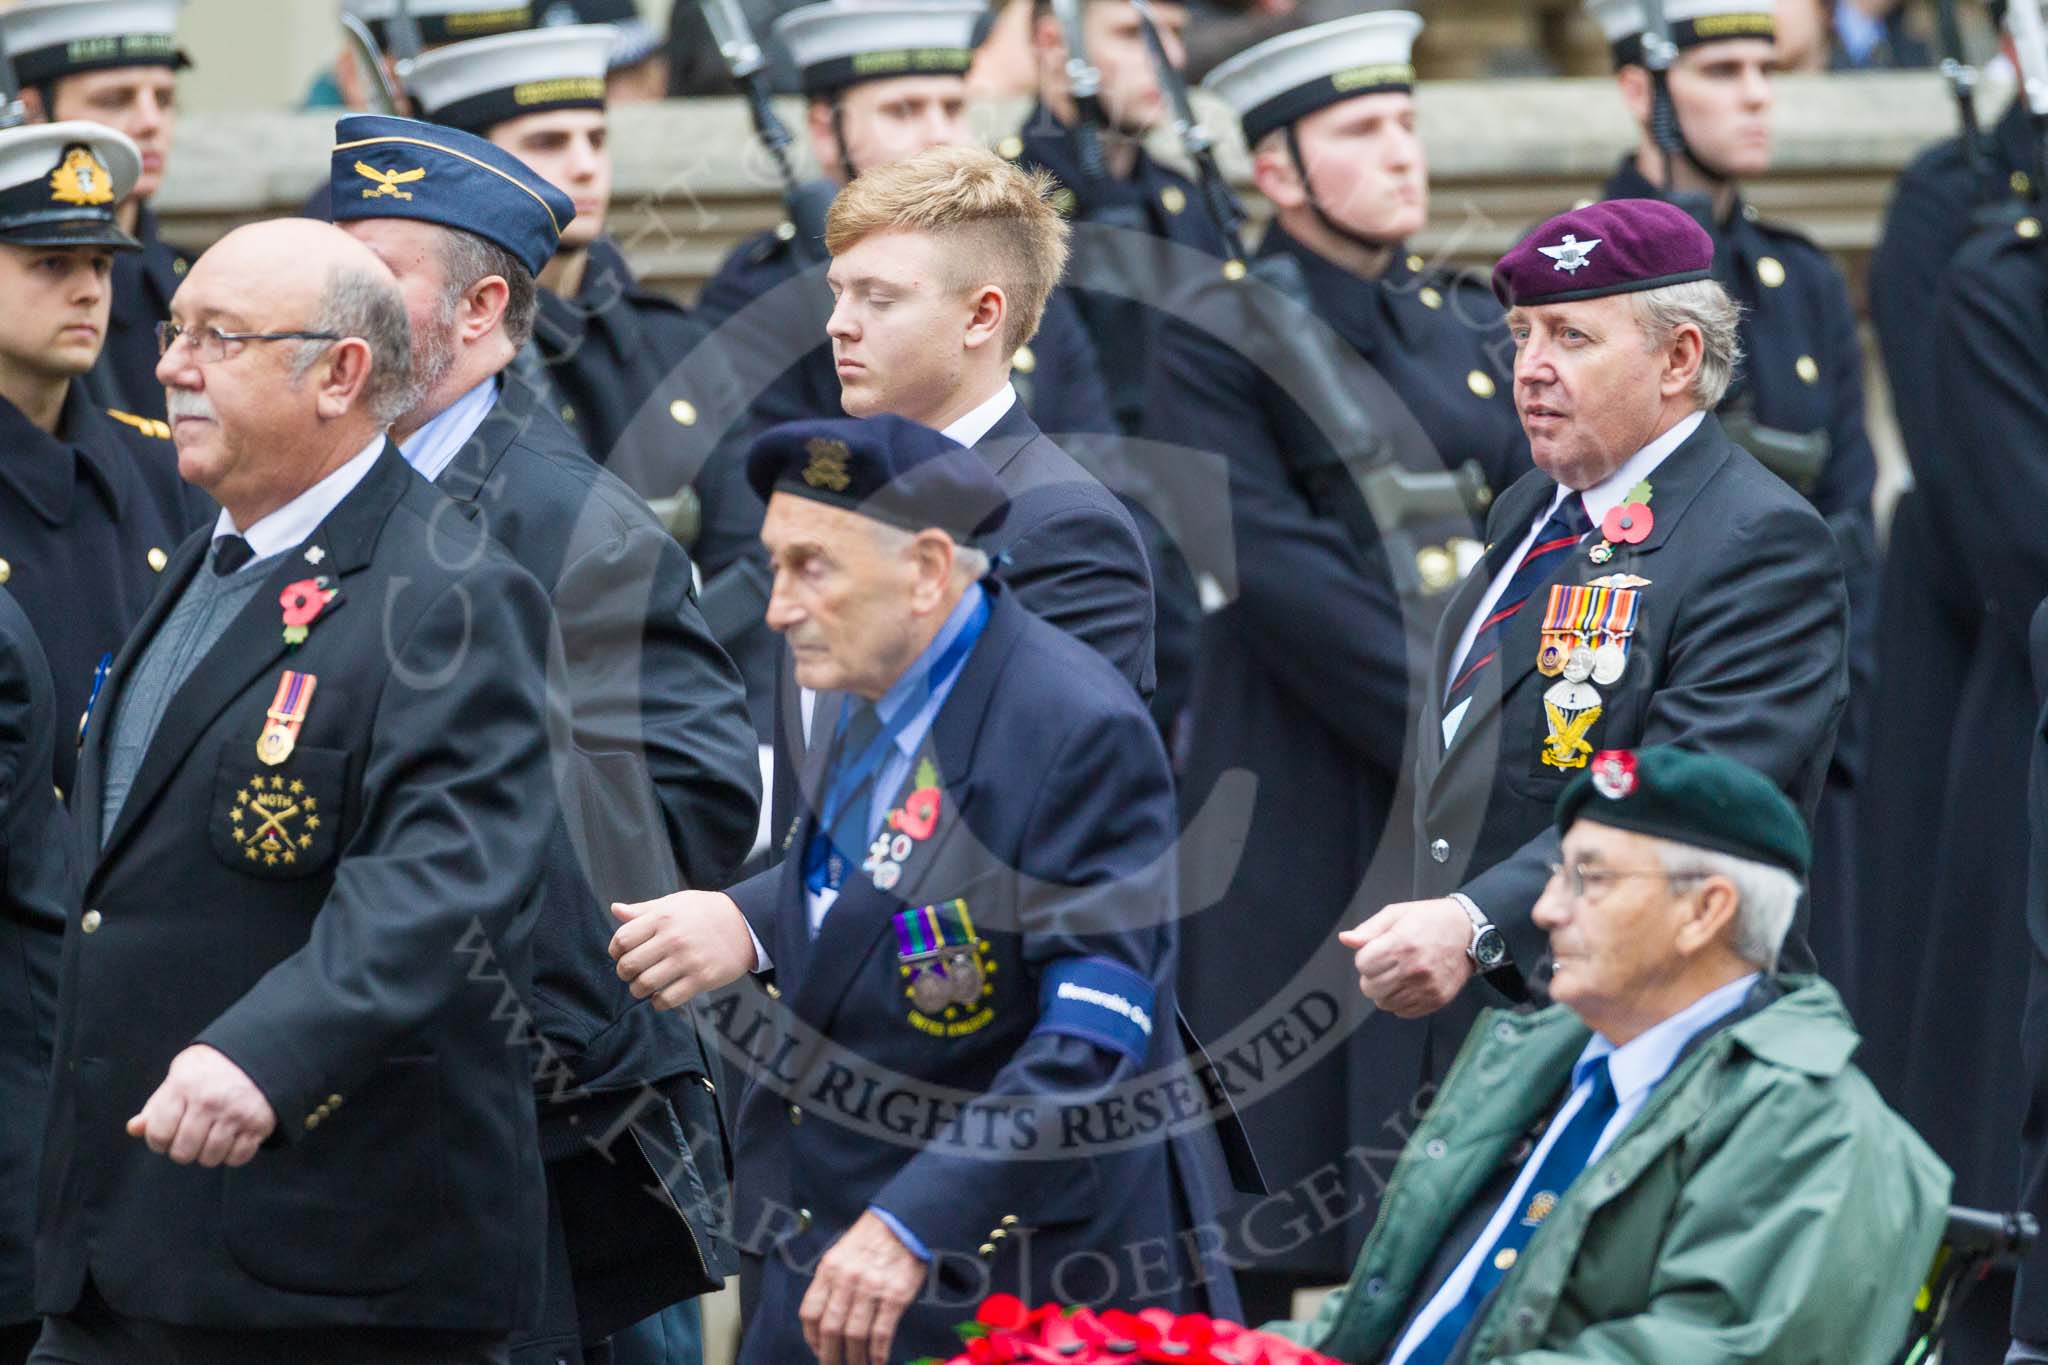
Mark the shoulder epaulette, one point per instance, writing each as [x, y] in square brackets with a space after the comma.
[148, 426]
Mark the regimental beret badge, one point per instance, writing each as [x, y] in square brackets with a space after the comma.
[1614, 774]
[827, 467]
[81, 178]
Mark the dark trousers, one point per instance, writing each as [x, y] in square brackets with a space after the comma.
[18, 1340]
[94, 1334]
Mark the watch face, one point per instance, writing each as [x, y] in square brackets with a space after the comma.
[1489, 949]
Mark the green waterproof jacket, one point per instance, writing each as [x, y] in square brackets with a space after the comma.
[1763, 1207]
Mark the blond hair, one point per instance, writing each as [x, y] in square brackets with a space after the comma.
[998, 219]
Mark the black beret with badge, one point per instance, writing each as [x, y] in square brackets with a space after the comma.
[61, 182]
[1285, 79]
[385, 167]
[1702, 800]
[479, 84]
[844, 42]
[50, 39]
[887, 468]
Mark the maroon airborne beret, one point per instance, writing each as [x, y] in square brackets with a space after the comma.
[1613, 247]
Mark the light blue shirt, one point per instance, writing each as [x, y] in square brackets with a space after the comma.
[895, 768]
[432, 448]
[1635, 1069]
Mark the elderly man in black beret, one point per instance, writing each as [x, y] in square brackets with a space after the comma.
[977, 915]
[1674, 1162]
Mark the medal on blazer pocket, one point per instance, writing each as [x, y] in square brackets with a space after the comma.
[947, 971]
[287, 713]
[282, 822]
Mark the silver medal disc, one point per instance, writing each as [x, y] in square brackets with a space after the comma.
[1578, 665]
[1609, 661]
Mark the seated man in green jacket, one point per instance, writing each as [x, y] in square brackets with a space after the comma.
[1675, 1161]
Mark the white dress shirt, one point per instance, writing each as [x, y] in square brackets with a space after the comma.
[1602, 498]
[432, 448]
[290, 524]
[1635, 1068]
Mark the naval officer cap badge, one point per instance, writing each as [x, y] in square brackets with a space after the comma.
[60, 184]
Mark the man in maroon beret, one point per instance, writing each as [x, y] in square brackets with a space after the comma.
[1647, 583]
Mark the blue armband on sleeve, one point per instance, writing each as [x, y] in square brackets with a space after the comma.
[1101, 1000]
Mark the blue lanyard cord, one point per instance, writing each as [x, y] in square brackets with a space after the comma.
[851, 778]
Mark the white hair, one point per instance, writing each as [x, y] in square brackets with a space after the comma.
[1765, 896]
[968, 560]
[1704, 304]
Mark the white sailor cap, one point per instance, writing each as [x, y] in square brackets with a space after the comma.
[1692, 22]
[842, 42]
[61, 182]
[479, 84]
[50, 39]
[1283, 79]
[633, 39]
[444, 21]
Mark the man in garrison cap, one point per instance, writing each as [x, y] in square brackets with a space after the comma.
[1304, 676]
[1797, 402]
[977, 914]
[115, 62]
[1647, 583]
[91, 505]
[1675, 1161]
[660, 782]
[606, 343]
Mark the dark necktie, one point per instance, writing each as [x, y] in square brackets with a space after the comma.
[1564, 529]
[231, 553]
[846, 806]
[1567, 1157]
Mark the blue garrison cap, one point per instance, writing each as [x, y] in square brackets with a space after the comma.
[887, 468]
[386, 167]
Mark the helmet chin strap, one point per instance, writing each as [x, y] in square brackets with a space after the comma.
[845, 157]
[1315, 205]
[1669, 135]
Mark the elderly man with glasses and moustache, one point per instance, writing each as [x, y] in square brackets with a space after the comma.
[286, 1122]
